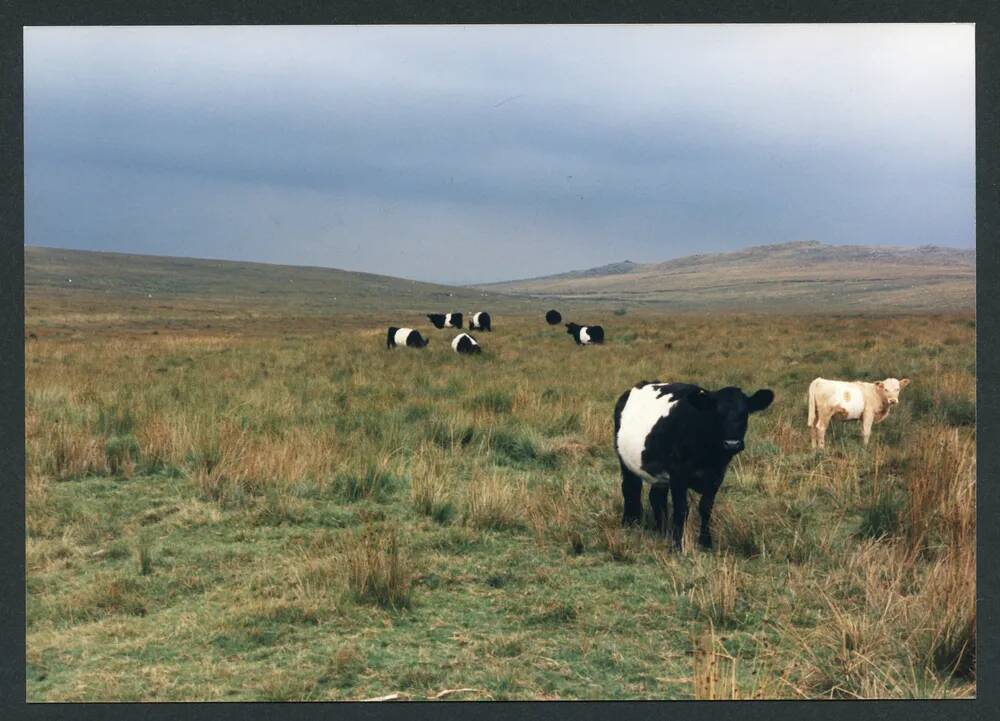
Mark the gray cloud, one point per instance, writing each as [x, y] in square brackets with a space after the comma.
[483, 153]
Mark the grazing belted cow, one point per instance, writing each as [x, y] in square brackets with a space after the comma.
[678, 436]
[480, 321]
[585, 334]
[465, 343]
[445, 320]
[850, 401]
[406, 337]
[553, 317]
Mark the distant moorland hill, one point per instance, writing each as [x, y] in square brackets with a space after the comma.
[796, 277]
[793, 276]
[263, 285]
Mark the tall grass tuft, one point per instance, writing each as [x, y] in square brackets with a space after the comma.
[494, 503]
[946, 636]
[494, 401]
[121, 453]
[849, 655]
[518, 449]
[713, 672]
[375, 482]
[376, 571]
[115, 420]
[430, 491]
[941, 492]
[882, 517]
[716, 596]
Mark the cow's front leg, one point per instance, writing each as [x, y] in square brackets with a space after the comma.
[705, 511]
[658, 502]
[866, 427]
[678, 497]
[632, 497]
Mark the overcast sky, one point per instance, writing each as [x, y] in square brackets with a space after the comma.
[460, 154]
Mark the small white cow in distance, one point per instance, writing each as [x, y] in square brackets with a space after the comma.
[850, 401]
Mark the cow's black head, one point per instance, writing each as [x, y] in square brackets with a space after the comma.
[573, 328]
[731, 409]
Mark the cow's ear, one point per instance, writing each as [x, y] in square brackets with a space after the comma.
[760, 400]
[904, 382]
[702, 400]
[879, 384]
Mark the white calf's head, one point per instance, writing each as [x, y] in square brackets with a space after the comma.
[891, 387]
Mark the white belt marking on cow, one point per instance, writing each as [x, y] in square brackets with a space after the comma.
[400, 336]
[641, 412]
[584, 335]
[459, 337]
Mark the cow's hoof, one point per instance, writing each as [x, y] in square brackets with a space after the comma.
[705, 542]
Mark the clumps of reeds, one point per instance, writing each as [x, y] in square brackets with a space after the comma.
[377, 573]
[495, 502]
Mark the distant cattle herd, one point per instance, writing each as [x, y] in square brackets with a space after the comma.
[676, 437]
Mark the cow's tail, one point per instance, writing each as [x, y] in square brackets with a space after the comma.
[390, 336]
[812, 404]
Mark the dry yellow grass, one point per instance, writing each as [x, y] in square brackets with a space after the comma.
[281, 508]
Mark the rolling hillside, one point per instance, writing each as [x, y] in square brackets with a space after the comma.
[791, 276]
[78, 273]
[801, 276]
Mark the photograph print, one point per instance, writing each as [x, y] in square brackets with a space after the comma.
[500, 362]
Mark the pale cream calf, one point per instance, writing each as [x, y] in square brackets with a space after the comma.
[850, 401]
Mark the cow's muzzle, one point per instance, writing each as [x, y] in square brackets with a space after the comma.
[733, 446]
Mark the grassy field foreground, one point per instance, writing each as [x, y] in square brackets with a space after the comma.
[258, 510]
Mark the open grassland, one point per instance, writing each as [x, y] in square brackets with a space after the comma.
[243, 508]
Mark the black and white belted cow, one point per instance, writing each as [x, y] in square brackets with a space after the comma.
[406, 337]
[480, 321]
[445, 320]
[675, 437]
[585, 334]
[465, 343]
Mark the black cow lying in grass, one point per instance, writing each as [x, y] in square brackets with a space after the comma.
[445, 320]
[678, 436]
[553, 317]
[480, 321]
[405, 337]
[585, 334]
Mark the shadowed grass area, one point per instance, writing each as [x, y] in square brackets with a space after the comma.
[287, 510]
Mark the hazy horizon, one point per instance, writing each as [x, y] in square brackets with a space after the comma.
[460, 154]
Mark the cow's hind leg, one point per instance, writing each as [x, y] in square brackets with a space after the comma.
[658, 502]
[632, 495]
